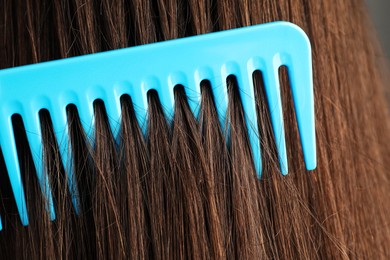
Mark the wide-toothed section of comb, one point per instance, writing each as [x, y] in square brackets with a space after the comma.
[34, 135]
[135, 71]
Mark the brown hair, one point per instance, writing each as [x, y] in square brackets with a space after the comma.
[189, 189]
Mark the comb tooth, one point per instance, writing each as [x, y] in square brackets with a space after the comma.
[34, 136]
[140, 103]
[272, 89]
[219, 88]
[8, 146]
[300, 74]
[247, 95]
[203, 73]
[114, 114]
[193, 96]
[168, 103]
[166, 97]
[123, 88]
[85, 111]
[112, 107]
[1, 225]
[191, 89]
[141, 100]
[61, 131]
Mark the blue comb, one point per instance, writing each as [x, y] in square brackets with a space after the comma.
[161, 66]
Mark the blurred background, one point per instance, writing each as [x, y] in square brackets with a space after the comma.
[380, 13]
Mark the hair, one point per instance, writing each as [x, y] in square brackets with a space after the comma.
[188, 189]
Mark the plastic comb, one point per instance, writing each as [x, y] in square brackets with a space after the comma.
[160, 66]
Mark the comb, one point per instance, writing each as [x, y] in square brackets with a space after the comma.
[133, 71]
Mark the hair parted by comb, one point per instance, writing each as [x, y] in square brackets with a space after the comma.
[188, 189]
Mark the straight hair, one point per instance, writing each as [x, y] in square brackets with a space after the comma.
[188, 188]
